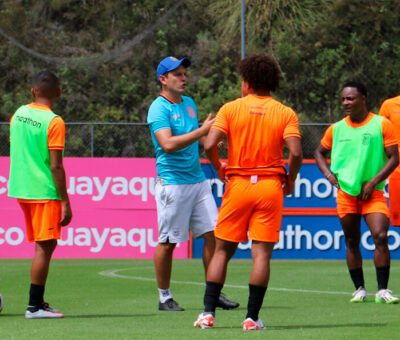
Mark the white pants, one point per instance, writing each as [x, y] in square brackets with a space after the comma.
[184, 207]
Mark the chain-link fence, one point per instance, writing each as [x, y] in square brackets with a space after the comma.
[133, 139]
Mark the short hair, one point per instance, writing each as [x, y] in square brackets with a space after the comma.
[260, 71]
[359, 86]
[47, 84]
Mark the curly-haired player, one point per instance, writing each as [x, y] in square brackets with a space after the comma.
[257, 127]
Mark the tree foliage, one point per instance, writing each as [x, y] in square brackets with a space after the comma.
[106, 52]
[356, 39]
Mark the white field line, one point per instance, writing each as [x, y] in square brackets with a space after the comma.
[115, 274]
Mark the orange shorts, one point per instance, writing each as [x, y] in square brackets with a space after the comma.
[251, 210]
[394, 200]
[347, 204]
[42, 220]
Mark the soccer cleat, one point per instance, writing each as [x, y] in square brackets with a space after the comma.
[44, 312]
[170, 305]
[360, 295]
[1, 302]
[250, 325]
[204, 320]
[224, 303]
[385, 296]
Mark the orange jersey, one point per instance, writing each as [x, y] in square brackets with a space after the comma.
[388, 134]
[391, 110]
[256, 128]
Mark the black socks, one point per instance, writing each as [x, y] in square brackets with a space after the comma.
[36, 293]
[382, 276]
[211, 296]
[256, 298]
[357, 277]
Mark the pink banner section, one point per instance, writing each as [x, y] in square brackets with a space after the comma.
[114, 211]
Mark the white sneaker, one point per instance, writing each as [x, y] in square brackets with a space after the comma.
[1, 302]
[250, 325]
[360, 295]
[204, 320]
[46, 312]
[385, 296]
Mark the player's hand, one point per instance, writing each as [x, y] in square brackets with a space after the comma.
[206, 126]
[333, 180]
[366, 191]
[288, 187]
[221, 172]
[66, 213]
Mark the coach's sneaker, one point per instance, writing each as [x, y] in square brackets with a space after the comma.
[43, 312]
[225, 303]
[360, 295]
[1, 302]
[250, 325]
[170, 305]
[205, 320]
[385, 296]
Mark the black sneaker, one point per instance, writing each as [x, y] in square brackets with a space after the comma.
[224, 303]
[170, 305]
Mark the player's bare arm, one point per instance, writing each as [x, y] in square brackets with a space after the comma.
[171, 143]
[321, 158]
[58, 173]
[211, 144]
[295, 160]
[392, 154]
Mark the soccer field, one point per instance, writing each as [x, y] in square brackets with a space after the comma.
[118, 299]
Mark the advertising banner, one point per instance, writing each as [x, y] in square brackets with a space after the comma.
[113, 206]
[314, 237]
[310, 226]
[115, 215]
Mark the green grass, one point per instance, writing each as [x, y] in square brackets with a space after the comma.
[124, 306]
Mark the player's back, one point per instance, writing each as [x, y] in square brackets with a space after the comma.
[30, 174]
[391, 110]
[256, 128]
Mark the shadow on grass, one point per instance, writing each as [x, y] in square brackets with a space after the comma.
[243, 308]
[344, 325]
[90, 316]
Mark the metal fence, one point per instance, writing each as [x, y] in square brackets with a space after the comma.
[133, 139]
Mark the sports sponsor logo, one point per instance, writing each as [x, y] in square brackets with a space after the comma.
[97, 188]
[191, 112]
[295, 237]
[92, 240]
[28, 121]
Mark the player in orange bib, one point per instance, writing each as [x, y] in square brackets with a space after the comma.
[37, 180]
[257, 128]
[391, 110]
